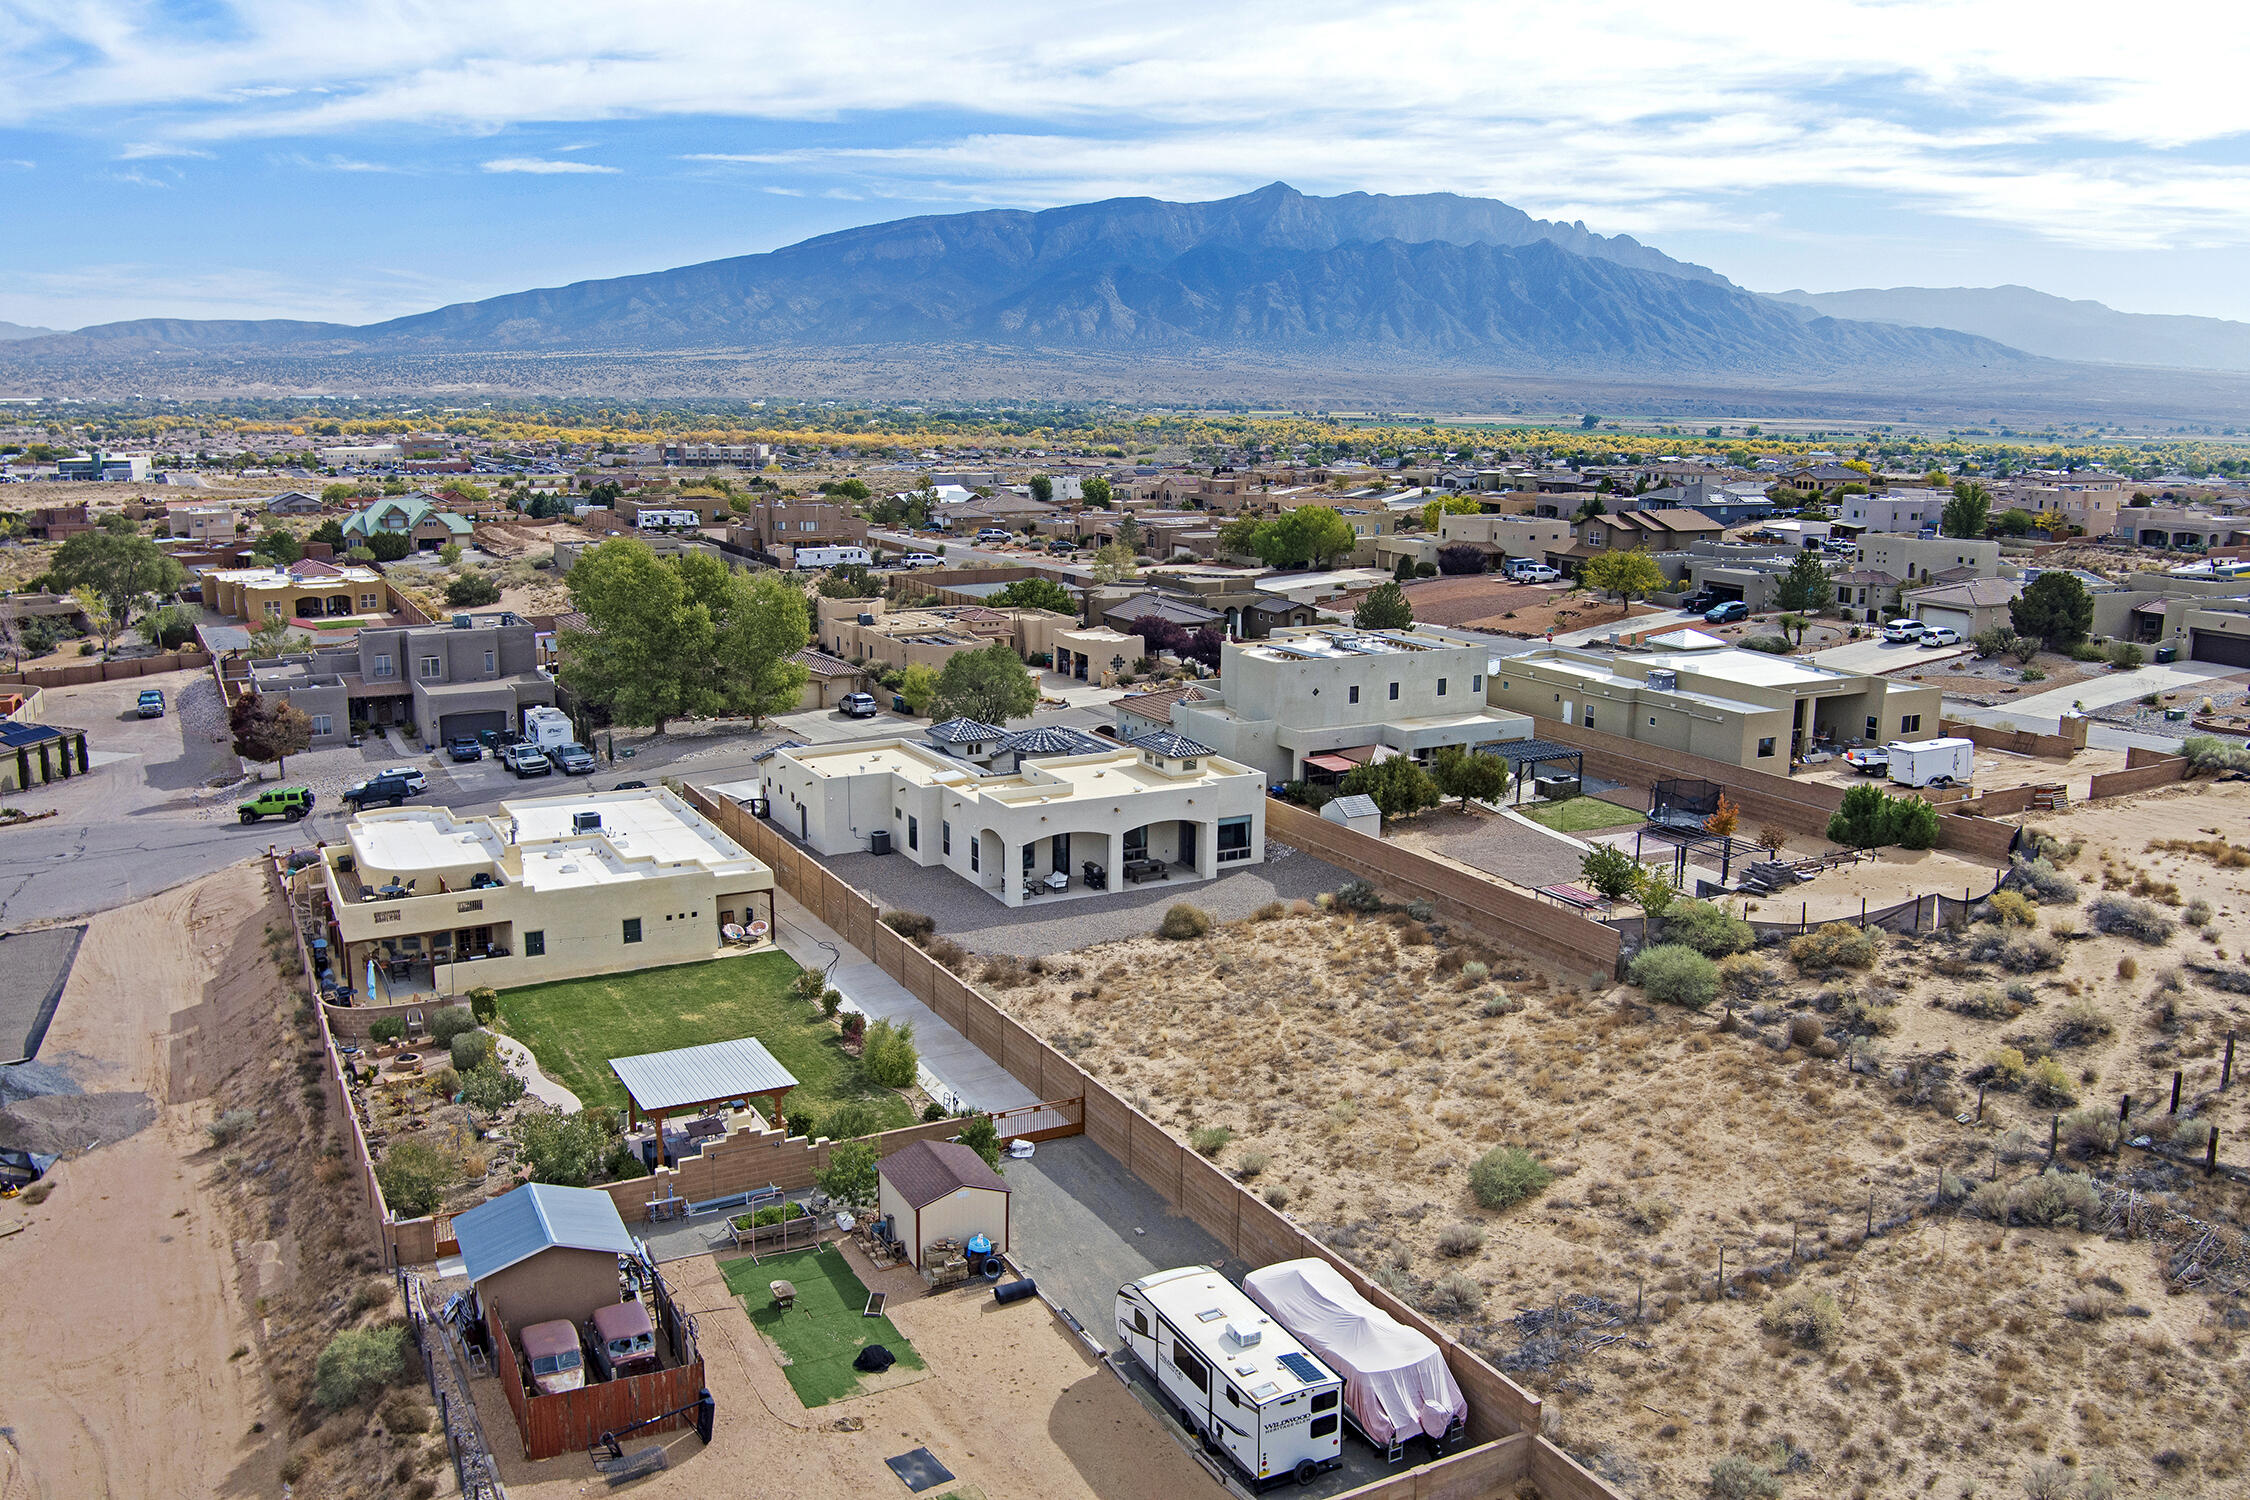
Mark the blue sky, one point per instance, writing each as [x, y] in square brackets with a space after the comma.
[362, 160]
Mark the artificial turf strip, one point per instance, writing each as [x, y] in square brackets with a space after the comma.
[1580, 814]
[575, 1026]
[824, 1332]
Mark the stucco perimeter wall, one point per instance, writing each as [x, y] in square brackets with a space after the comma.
[2144, 770]
[1579, 945]
[1239, 1219]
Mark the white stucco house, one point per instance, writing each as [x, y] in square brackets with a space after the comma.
[1158, 806]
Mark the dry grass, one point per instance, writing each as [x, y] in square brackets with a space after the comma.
[1371, 1076]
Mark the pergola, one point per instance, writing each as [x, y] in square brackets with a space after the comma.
[1532, 754]
[692, 1079]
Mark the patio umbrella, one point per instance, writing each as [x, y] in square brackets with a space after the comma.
[371, 980]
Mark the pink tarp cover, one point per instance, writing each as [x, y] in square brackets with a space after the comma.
[1395, 1380]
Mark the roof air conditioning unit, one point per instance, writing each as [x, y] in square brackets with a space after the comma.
[585, 822]
[866, 619]
[1244, 1337]
[1663, 679]
[463, 622]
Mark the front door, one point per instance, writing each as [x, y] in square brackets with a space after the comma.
[1062, 852]
[804, 822]
[1187, 843]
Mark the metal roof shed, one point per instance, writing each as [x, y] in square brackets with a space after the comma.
[538, 1216]
[662, 1083]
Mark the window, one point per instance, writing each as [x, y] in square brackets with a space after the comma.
[1652, 721]
[1394, 692]
[1321, 1426]
[1355, 695]
[273, 610]
[944, 837]
[1589, 718]
[1136, 842]
[1441, 687]
[1476, 682]
[1197, 1372]
[382, 664]
[367, 602]
[429, 668]
[491, 661]
[323, 724]
[1030, 852]
[913, 832]
[976, 853]
[1325, 1401]
[632, 929]
[1765, 748]
[1874, 727]
[1234, 839]
[1234, 1397]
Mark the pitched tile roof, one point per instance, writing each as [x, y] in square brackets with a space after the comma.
[928, 1170]
[962, 731]
[1157, 706]
[1175, 746]
[1053, 739]
[821, 664]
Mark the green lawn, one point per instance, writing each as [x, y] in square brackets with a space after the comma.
[575, 1026]
[824, 1332]
[1580, 814]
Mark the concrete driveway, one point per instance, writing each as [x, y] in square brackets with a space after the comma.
[1879, 655]
[2123, 687]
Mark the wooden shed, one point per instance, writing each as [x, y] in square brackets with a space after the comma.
[544, 1252]
[941, 1190]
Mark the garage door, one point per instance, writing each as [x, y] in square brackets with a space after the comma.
[2225, 650]
[1957, 618]
[452, 725]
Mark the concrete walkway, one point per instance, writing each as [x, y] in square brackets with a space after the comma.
[517, 1059]
[954, 1072]
[2123, 687]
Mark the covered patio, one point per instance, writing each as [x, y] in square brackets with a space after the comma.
[1525, 757]
[707, 1082]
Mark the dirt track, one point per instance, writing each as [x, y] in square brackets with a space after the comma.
[125, 1279]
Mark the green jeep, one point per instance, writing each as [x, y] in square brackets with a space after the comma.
[291, 802]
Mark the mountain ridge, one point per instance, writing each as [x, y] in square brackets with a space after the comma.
[2043, 324]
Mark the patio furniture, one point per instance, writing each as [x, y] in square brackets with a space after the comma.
[1574, 896]
[1138, 870]
[784, 1294]
[672, 1206]
[1058, 881]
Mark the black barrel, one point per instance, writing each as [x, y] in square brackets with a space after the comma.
[1014, 1291]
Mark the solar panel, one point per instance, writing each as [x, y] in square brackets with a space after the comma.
[1302, 1366]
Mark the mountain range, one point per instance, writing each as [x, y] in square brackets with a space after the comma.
[1431, 279]
[2038, 323]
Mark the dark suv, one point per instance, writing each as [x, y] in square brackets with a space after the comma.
[377, 791]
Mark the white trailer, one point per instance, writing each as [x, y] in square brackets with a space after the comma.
[830, 557]
[1240, 1380]
[546, 727]
[1932, 762]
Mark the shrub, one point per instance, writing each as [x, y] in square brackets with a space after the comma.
[414, 1176]
[849, 1176]
[2086, 651]
[1456, 1293]
[1500, 1005]
[2207, 752]
[2054, 1197]
[1736, 1478]
[1272, 911]
[2087, 1131]
[2123, 916]
[2047, 1084]
[1870, 819]
[1803, 1315]
[1210, 1140]
[484, 1004]
[2010, 909]
[1458, 1240]
[2124, 655]
[1746, 977]
[2052, 1480]
[888, 1054]
[449, 1023]
[2081, 1021]
[2197, 913]
[911, 925]
[2030, 953]
[1986, 1004]
[471, 1050]
[1833, 945]
[1358, 895]
[1773, 644]
[2128, 967]
[1250, 1163]
[385, 1029]
[1182, 921]
[230, 1127]
[1709, 929]
[490, 1089]
[1277, 1197]
[1675, 974]
[356, 1364]
[2007, 1066]
[567, 1150]
[1804, 1030]
[2045, 884]
[1507, 1175]
[1474, 973]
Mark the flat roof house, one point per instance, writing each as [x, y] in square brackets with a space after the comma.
[480, 672]
[547, 888]
[307, 589]
[1693, 692]
[1159, 806]
[1317, 702]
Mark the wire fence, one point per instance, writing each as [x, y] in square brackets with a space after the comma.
[1909, 918]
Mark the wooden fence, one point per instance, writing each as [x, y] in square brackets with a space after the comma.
[573, 1421]
[1572, 942]
[106, 671]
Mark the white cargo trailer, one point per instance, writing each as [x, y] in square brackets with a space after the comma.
[546, 727]
[1241, 1381]
[1932, 762]
[830, 557]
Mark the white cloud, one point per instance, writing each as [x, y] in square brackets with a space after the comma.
[542, 165]
[145, 150]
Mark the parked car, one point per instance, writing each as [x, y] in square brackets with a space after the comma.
[627, 786]
[1727, 613]
[551, 1352]
[1062, 544]
[572, 760]
[623, 1340]
[530, 762]
[1898, 632]
[291, 802]
[379, 791]
[1940, 635]
[1699, 601]
[995, 534]
[151, 704]
[465, 747]
[1868, 760]
[413, 777]
[493, 739]
[1536, 573]
[858, 705]
[920, 560]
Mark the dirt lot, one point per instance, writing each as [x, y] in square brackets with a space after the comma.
[1010, 1403]
[1361, 1071]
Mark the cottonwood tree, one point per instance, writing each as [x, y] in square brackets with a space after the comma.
[761, 625]
[121, 570]
[1457, 773]
[647, 656]
[1628, 575]
[990, 685]
[1967, 512]
[1310, 534]
[1036, 593]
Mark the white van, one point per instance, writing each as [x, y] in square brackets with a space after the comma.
[1240, 1380]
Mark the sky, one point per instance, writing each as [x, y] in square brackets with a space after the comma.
[355, 161]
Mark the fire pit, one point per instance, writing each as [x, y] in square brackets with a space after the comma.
[407, 1062]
